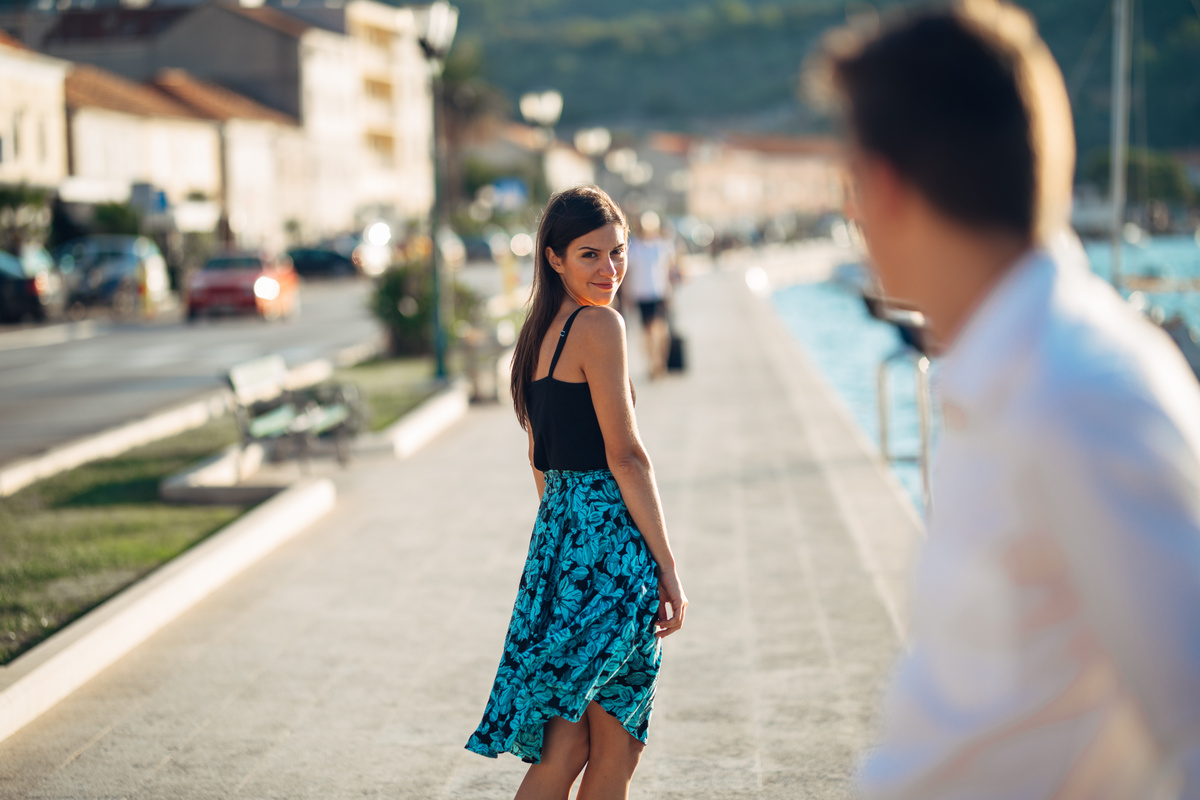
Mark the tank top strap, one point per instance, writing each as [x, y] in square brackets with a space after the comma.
[562, 339]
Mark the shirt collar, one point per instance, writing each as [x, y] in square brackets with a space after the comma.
[982, 357]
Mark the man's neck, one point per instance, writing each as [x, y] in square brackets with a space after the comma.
[959, 274]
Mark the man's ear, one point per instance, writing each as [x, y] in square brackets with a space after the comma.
[555, 262]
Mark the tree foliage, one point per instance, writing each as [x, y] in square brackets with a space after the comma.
[1150, 175]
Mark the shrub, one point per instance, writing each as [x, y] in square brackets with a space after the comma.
[403, 302]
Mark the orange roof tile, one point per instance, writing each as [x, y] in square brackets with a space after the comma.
[676, 144]
[783, 145]
[8, 41]
[213, 101]
[92, 87]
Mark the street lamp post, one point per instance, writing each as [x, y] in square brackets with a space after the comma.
[542, 108]
[438, 25]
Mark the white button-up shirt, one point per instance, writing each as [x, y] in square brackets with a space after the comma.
[1055, 615]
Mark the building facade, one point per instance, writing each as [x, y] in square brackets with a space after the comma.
[122, 134]
[353, 76]
[33, 139]
[743, 182]
[265, 173]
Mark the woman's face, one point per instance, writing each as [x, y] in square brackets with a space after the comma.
[593, 266]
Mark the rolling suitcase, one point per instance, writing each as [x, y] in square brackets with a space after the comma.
[676, 361]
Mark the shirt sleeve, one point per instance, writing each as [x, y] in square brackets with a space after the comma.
[1119, 481]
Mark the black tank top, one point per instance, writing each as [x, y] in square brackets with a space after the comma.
[566, 433]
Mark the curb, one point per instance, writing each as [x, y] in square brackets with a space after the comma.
[217, 479]
[421, 425]
[41, 677]
[880, 518]
[114, 441]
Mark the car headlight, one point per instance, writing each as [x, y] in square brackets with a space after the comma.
[266, 288]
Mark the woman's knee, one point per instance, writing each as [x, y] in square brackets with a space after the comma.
[611, 744]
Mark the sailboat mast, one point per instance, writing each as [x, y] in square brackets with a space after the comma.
[1122, 38]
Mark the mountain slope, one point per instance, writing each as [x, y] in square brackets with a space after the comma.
[694, 64]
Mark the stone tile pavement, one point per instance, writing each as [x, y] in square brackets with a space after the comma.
[356, 659]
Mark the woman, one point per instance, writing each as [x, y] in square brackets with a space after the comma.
[599, 589]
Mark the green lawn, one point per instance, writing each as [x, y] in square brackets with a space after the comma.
[72, 541]
[391, 387]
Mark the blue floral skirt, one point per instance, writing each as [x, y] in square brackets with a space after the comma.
[582, 628]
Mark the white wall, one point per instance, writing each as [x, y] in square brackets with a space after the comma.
[268, 183]
[404, 182]
[32, 116]
[175, 155]
[331, 105]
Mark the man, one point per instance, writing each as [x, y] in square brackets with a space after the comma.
[651, 259]
[1055, 606]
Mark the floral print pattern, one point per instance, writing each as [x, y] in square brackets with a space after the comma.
[582, 628]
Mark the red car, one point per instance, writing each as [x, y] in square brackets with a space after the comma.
[244, 283]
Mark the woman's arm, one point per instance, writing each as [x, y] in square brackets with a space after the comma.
[538, 477]
[605, 366]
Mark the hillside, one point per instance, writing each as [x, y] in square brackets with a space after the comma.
[698, 64]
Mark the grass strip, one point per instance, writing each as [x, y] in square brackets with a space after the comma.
[391, 387]
[70, 542]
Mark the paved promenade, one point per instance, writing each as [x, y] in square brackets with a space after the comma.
[356, 659]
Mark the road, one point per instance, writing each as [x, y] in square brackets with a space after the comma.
[56, 393]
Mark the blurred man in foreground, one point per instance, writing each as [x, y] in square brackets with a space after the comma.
[1055, 607]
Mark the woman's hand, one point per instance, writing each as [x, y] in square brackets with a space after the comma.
[672, 604]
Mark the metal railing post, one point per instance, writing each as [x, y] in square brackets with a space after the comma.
[921, 365]
[881, 382]
[925, 418]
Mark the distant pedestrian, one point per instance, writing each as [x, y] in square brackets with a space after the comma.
[651, 265]
[1055, 605]
[600, 589]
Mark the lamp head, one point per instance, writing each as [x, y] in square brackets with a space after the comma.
[438, 26]
[541, 107]
[593, 142]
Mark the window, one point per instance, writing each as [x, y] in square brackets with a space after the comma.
[377, 89]
[379, 37]
[16, 134]
[43, 152]
[382, 146]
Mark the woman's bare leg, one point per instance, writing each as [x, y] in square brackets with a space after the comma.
[613, 757]
[564, 752]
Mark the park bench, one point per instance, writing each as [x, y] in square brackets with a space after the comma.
[270, 412]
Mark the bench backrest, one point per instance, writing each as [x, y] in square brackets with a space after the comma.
[258, 380]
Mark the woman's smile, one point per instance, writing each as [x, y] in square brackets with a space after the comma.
[593, 266]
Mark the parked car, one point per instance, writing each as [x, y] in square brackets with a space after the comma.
[320, 262]
[124, 273]
[252, 283]
[31, 286]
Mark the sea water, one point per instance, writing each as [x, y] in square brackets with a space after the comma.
[847, 345]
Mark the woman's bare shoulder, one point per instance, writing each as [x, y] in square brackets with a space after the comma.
[601, 325]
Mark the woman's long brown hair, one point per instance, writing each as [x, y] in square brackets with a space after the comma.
[569, 215]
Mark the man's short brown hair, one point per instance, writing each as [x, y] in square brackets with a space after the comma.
[965, 102]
